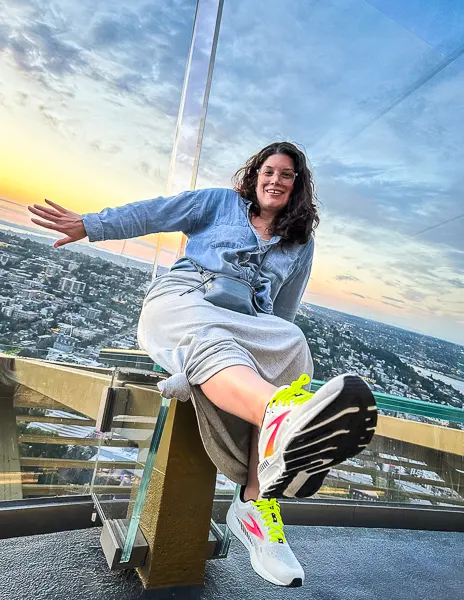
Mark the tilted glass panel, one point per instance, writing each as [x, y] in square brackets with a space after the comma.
[89, 96]
[369, 90]
[49, 443]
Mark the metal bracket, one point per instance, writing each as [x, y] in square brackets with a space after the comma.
[112, 542]
[113, 402]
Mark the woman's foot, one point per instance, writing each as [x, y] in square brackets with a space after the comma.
[258, 525]
[303, 435]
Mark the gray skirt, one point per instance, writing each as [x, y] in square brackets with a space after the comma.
[193, 340]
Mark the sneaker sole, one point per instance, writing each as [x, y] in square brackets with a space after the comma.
[342, 429]
[234, 527]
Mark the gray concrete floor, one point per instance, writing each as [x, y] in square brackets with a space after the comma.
[340, 564]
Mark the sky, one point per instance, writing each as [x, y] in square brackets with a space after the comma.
[89, 98]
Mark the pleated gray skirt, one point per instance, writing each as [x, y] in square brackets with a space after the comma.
[193, 340]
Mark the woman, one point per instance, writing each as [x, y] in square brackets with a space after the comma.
[234, 354]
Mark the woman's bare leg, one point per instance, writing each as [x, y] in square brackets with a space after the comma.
[251, 491]
[239, 390]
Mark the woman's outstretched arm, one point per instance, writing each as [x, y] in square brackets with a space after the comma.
[175, 213]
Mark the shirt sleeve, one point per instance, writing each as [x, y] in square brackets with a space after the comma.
[289, 296]
[163, 214]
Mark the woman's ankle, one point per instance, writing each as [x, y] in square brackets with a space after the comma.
[250, 494]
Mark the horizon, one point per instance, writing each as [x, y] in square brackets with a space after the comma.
[308, 303]
[90, 96]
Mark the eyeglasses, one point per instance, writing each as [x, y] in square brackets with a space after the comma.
[286, 175]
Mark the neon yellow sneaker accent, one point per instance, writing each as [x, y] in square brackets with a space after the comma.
[270, 513]
[294, 394]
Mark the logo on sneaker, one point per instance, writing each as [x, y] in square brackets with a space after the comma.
[277, 422]
[254, 528]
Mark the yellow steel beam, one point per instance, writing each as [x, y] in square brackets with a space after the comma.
[18, 477]
[176, 516]
[68, 463]
[9, 449]
[26, 398]
[72, 441]
[35, 489]
[442, 439]
[350, 485]
[55, 420]
[78, 389]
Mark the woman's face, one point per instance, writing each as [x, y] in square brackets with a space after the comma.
[276, 178]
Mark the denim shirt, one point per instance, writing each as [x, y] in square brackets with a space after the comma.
[221, 238]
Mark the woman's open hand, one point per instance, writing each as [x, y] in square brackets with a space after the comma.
[59, 219]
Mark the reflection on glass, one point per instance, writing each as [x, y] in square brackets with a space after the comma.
[89, 94]
[57, 447]
[369, 90]
[370, 97]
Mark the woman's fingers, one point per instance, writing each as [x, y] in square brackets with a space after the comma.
[46, 224]
[63, 241]
[45, 213]
[57, 206]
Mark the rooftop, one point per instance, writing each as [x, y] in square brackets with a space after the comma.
[340, 564]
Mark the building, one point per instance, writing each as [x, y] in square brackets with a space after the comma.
[72, 265]
[91, 313]
[37, 295]
[72, 286]
[64, 343]
[52, 269]
[17, 312]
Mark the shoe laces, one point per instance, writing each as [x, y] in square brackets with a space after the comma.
[270, 514]
[293, 394]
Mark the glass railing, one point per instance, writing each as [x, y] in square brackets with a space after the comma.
[422, 464]
[52, 450]
[119, 490]
[57, 448]
[416, 456]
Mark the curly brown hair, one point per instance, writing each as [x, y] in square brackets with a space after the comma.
[297, 221]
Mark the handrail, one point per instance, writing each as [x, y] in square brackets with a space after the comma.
[410, 405]
[384, 401]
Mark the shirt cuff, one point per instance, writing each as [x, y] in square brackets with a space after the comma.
[93, 227]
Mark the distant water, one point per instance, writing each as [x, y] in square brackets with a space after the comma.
[88, 249]
[16, 229]
[458, 385]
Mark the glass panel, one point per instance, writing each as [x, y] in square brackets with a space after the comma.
[57, 450]
[48, 448]
[117, 479]
[225, 490]
[368, 89]
[89, 94]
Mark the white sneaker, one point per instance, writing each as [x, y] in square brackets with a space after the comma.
[258, 525]
[305, 434]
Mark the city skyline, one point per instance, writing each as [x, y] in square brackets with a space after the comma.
[89, 99]
[110, 254]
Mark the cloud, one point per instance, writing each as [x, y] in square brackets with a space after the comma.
[140, 51]
[393, 299]
[391, 304]
[456, 283]
[354, 294]
[346, 278]
[38, 49]
[413, 295]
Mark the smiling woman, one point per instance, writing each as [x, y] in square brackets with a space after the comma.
[276, 179]
[221, 323]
